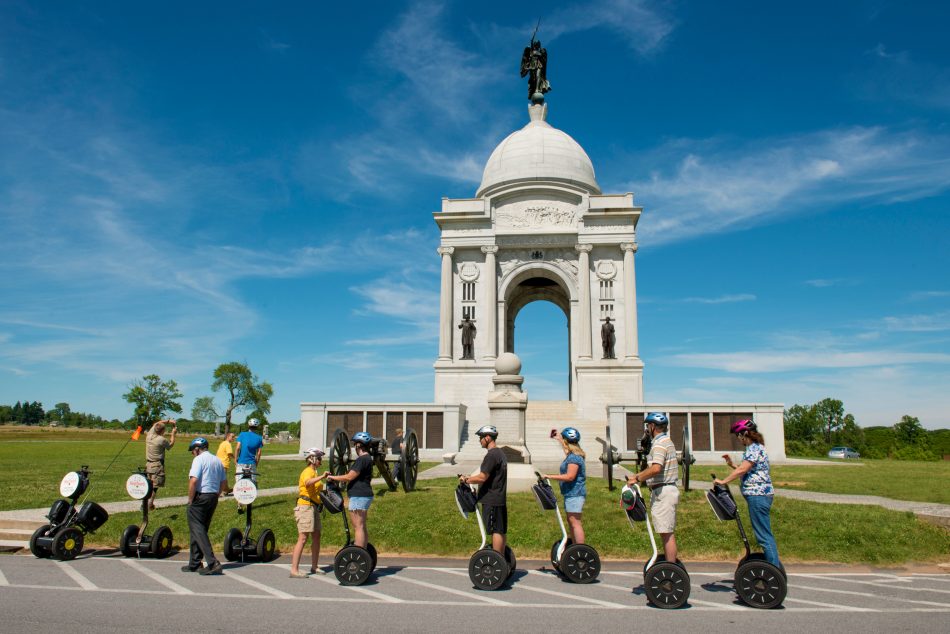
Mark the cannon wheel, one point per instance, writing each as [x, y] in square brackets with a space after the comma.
[688, 458]
[409, 468]
[340, 453]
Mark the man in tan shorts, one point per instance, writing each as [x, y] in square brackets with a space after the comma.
[155, 446]
[661, 475]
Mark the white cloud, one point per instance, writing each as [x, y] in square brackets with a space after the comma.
[922, 295]
[790, 360]
[721, 299]
[719, 185]
[641, 23]
[918, 323]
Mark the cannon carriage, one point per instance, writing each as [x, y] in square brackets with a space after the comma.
[341, 457]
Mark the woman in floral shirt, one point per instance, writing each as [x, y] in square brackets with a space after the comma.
[756, 485]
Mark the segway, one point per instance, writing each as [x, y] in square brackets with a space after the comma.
[666, 583]
[238, 545]
[352, 564]
[487, 569]
[63, 537]
[579, 563]
[135, 542]
[758, 583]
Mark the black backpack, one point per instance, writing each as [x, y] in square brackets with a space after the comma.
[332, 499]
[465, 499]
[722, 502]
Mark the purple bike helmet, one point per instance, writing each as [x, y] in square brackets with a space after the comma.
[742, 426]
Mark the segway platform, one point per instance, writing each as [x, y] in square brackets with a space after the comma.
[64, 536]
[240, 546]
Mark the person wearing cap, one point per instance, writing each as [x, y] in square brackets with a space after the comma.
[155, 447]
[307, 515]
[359, 486]
[756, 485]
[573, 480]
[492, 478]
[661, 476]
[248, 450]
[207, 480]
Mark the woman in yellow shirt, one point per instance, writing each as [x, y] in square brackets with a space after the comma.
[307, 514]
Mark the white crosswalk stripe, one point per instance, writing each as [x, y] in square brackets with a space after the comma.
[151, 574]
[82, 581]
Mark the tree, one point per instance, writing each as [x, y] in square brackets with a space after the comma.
[909, 431]
[153, 397]
[245, 391]
[830, 413]
[60, 412]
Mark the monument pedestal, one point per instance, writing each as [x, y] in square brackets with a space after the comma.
[506, 406]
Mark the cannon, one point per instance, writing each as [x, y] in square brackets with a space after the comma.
[685, 458]
[341, 458]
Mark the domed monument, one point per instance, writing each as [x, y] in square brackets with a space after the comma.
[539, 228]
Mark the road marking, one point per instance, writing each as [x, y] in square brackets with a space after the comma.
[574, 597]
[882, 584]
[151, 574]
[280, 594]
[3, 579]
[370, 593]
[931, 576]
[873, 596]
[460, 593]
[722, 606]
[834, 606]
[76, 576]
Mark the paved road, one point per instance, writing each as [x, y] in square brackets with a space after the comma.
[111, 593]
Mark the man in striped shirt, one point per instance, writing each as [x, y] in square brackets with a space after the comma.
[661, 475]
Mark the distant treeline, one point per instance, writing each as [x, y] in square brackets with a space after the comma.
[811, 430]
[32, 413]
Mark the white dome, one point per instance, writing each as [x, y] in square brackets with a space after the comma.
[539, 152]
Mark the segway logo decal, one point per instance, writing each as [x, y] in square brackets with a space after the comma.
[137, 486]
[69, 484]
[245, 491]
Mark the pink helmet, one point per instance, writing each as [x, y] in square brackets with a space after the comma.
[742, 426]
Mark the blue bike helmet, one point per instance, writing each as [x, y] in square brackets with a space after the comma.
[361, 437]
[657, 418]
[571, 434]
[198, 443]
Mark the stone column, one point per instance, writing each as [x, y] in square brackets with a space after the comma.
[583, 283]
[630, 300]
[491, 300]
[445, 305]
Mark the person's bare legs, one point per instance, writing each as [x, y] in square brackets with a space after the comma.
[575, 528]
[358, 519]
[314, 550]
[498, 542]
[298, 551]
[669, 546]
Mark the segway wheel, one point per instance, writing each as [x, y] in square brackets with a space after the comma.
[127, 541]
[233, 548]
[580, 563]
[352, 566]
[487, 569]
[37, 550]
[162, 542]
[666, 585]
[265, 545]
[760, 584]
[372, 553]
[510, 560]
[554, 546]
[67, 543]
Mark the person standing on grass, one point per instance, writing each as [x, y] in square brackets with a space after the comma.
[307, 515]
[661, 476]
[206, 481]
[359, 488]
[155, 447]
[573, 481]
[492, 478]
[756, 485]
[225, 454]
[248, 450]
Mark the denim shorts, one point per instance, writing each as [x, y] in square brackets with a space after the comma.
[574, 504]
[360, 503]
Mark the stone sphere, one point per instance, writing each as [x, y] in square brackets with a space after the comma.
[507, 363]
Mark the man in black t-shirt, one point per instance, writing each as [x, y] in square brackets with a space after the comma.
[492, 478]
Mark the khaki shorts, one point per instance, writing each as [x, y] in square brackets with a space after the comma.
[308, 520]
[663, 503]
[156, 473]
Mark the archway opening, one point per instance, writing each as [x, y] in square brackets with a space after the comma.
[541, 335]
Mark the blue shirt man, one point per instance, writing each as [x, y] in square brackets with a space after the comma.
[208, 471]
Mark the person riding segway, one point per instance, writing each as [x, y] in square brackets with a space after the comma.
[492, 478]
[665, 578]
[357, 559]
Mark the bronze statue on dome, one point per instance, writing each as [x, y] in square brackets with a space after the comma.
[534, 64]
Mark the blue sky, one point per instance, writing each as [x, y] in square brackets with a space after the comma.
[183, 184]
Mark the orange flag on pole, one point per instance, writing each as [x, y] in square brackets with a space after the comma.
[137, 433]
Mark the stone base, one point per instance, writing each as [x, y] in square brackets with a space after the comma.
[606, 382]
[520, 476]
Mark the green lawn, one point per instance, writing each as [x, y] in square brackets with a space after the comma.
[897, 479]
[427, 522]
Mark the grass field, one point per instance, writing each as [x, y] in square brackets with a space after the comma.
[426, 521]
[33, 460]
